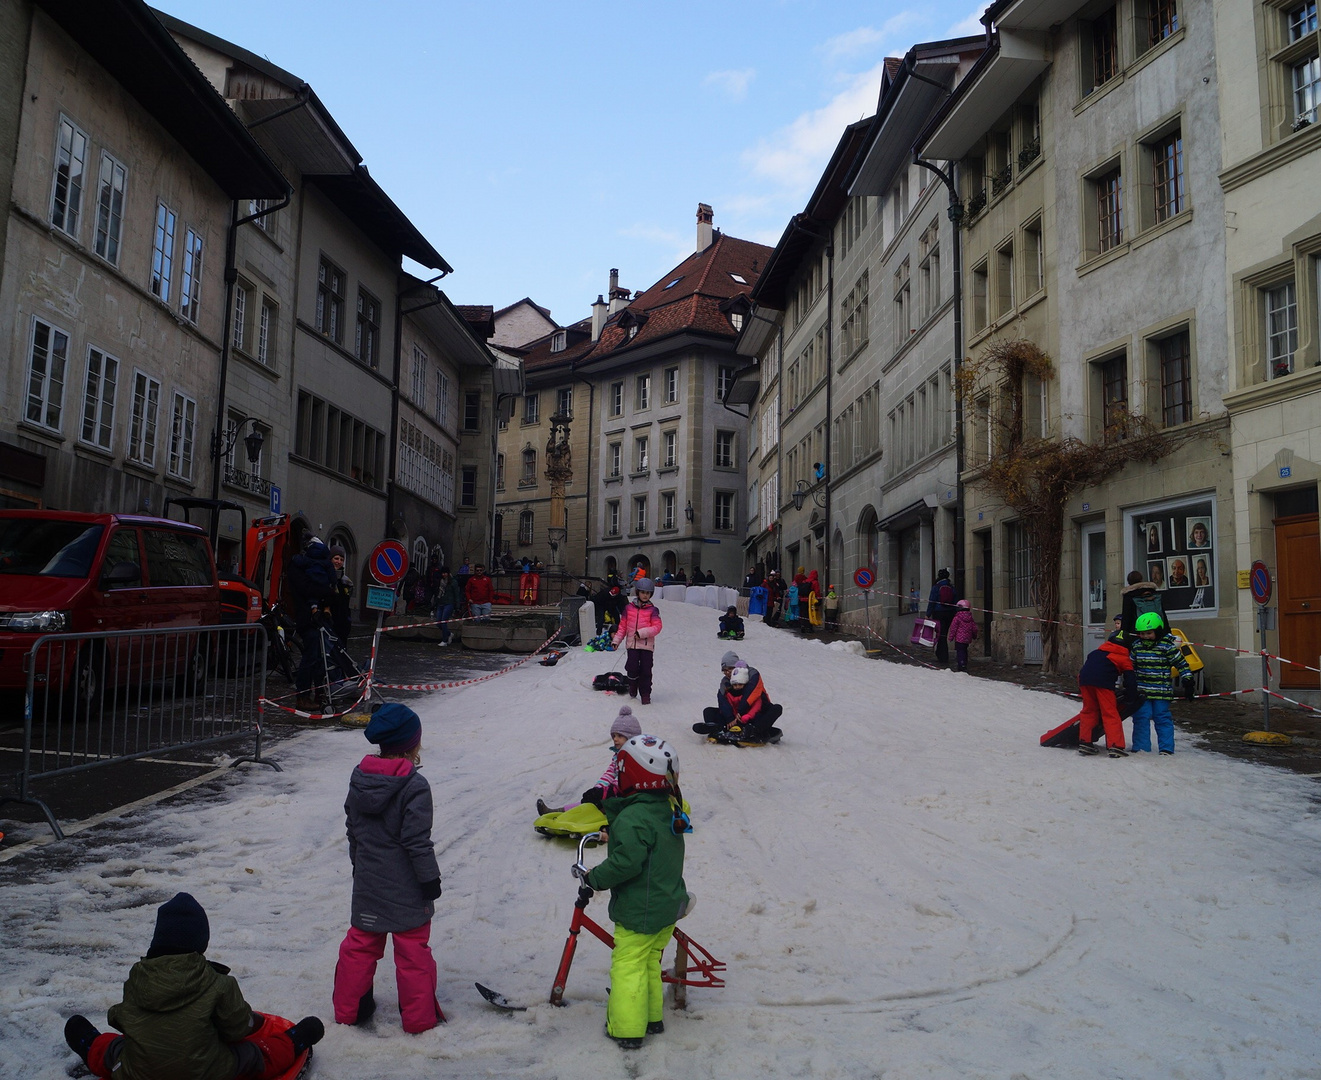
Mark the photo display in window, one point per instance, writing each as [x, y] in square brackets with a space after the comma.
[1174, 548]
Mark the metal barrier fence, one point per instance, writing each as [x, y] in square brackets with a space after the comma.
[93, 699]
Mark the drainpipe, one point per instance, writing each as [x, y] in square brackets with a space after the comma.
[947, 178]
[779, 450]
[830, 380]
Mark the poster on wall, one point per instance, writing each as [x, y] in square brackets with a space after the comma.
[1173, 546]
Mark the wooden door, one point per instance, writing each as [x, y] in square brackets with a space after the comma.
[1298, 585]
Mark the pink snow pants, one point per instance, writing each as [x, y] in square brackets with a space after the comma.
[414, 972]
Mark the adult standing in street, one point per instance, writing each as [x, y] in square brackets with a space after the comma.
[448, 598]
[481, 593]
[940, 606]
[312, 583]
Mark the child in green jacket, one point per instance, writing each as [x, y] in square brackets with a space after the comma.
[184, 1015]
[1155, 654]
[644, 873]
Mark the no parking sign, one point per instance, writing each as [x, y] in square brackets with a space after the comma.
[388, 562]
[864, 577]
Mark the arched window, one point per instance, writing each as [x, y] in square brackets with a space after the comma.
[420, 551]
[526, 521]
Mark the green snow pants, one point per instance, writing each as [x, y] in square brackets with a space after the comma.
[635, 982]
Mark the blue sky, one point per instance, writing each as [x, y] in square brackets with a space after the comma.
[537, 145]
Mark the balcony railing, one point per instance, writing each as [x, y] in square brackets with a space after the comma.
[247, 481]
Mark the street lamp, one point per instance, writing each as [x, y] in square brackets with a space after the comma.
[223, 445]
[800, 493]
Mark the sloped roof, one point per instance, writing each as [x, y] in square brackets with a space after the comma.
[481, 317]
[519, 303]
[537, 355]
[688, 299]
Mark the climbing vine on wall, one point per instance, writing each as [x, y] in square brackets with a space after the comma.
[1035, 475]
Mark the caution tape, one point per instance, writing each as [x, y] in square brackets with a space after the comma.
[469, 682]
[366, 690]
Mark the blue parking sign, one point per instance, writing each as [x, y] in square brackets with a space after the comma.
[275, 499]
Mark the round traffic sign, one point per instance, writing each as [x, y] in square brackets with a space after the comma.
[863, 577]
[1259, 577]
[388, 562]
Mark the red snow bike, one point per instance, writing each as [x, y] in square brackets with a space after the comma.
[693, 965]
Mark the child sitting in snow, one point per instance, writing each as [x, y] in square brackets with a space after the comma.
[962, 631]
[731, 626]
[625, 726]
[644, 873]
[184, 1015]
[395, 876]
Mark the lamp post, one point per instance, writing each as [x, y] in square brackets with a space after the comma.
[222, 445]
[800, 493]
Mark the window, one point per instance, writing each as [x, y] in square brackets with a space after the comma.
[736, 320]
[1174, 544]
[265, 221]
[1167, 176]
[929, 270]
[1281, 329]
[724, 511]
[110, 209]
[182, 424]
[899, 200]
[979, 286]
[67, 190]
[640, 461]
[724, 380]
[643, 400]
[1176, 396]
[1101, 50]
[640, 514]
[419, 377]
[564, 402]
[526, 525]
[99, 398]
[1306, 90]
[442, 398]
[468, 485]
[265, 331]
[617, 399]
[162, 252]
[46, 363]
[426, 467]
[330, 301]
[142, 424]
[667, 510]
[615, 453]
[239, 332]
[670, 444]
[499, 472]
[472, 411]
[190, 288]
[1105, 223]
[852, 223]
[1004, 280]
[1163, 19]
[612, 518]
[559, 341]
[671, 385]
[1034, 259]
[532, 408]
[367, 341]
[1114, 394]
[724, 449]
[1021, 588]
[853, 318]
[903, 305]
[529, 477]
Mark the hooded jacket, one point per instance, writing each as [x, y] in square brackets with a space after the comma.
[1104, 665]
[644, 867]
[962, 628]
[388, 821]
[638, 626]
[480, 589]
[311, 583]
[178, 1013]
[743, 703]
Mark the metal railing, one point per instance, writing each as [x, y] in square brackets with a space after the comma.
[93, 699]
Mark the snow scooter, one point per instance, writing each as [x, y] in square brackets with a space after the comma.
[693, 965]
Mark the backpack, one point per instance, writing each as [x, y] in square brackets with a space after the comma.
[611, 680]
[1144, 604]
[946, 595]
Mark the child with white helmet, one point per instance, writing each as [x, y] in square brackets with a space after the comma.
[644, 873]
[638, 627]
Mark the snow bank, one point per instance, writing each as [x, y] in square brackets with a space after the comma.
[908, 885]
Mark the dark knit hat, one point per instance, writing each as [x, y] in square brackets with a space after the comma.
[626, 723]
[394, 727]
[729, 659]
[338, 549]
[181, 927]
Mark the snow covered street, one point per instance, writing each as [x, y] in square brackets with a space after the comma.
[907, 886]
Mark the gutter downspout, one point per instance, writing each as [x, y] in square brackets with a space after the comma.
[779, 448]
[830, 380]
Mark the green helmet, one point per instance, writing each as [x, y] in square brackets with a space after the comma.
[1149, 621]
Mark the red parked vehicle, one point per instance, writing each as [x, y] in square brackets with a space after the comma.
[68, 572]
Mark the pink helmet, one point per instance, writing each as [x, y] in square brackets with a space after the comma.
[963, 605]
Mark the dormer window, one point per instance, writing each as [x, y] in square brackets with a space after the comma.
[559, 340]
[736, 318]
[633, 331]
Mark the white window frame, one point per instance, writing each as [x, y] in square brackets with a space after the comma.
[45, 389]
[238, 336]
[612, 517]
[144, 419]
[183, 428]
[722, 511]
[670, 442]
[639, 513]
[67, 217]
[100, 384]
[643, 392]
[165, 229]
[111, 189]
[728, 460]
[724, 380]
[190, 286]
[617, 399]
[419, 377]
[671, 385]
[616, 451]
[669, 503]
[641, 454]
[266, 322]
[1288, 335]
[442, 398]
[565, 399]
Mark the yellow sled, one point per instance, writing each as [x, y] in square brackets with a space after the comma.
[579, 821]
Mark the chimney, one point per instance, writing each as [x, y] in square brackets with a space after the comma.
[618, 296]
[704, 216]
[598, 316]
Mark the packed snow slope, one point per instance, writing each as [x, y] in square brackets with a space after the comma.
[907, 886]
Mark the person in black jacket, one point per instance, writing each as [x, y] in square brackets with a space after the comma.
[312, 586]
[940, 606]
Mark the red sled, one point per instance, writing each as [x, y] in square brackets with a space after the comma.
[1066, 736]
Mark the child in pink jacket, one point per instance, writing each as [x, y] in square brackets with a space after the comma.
[638, 627]
[962, 630]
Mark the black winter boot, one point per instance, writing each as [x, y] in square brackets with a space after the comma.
[366, 1007]
[309, 1031]
[80, 1034]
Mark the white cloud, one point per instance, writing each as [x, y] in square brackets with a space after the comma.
[867, 40]
[793, 156]
[733, 83]
[970, 26]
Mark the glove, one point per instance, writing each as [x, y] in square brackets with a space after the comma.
[1188, 689]
[593, 795]
[431, 889]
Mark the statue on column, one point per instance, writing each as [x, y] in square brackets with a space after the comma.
[559, 471]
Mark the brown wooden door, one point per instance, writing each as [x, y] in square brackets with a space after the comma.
[1298, 584]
